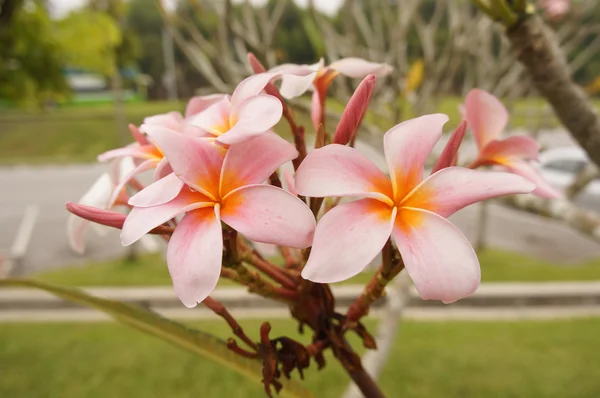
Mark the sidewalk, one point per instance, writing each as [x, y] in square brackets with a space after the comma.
[492, 301]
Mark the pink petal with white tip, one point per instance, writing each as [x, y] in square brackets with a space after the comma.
[347, 239]
[359, 68]
[200, 103]
[437, 256]
[268, 214]
[251, 86]
[142, 220]
[195, 160]
[527, 170]
[293, 86]
[194, 255]
[517, 147]
[407, 147]
[454, 188]
[253, 161]
[158, 193]
[337, 170]
[485, 115]
[252, 117]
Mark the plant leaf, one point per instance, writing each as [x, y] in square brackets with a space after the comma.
[192, 340]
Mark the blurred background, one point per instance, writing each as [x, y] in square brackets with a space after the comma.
[74, 73]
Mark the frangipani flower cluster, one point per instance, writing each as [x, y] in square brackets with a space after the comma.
[217, 188]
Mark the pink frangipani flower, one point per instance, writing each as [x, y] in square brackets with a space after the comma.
[244, 115]
[147, 155]
[301, 78]
[219, 187]
[488, 118]
[437, 256]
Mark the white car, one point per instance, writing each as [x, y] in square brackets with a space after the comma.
[560, 166]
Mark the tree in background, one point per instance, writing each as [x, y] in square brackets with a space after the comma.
[30, 55]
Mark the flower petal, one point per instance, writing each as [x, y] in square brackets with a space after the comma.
[485, 115]
[293, 86]
[144, 166]
[337, 170]
[453, 188]
[359, 68]
[407, 146]
[97, 196]
[134, 150]
[347, 239]
[251, 86]
[527, 170]
[516, 147]
[171, 120]
[197, 104]
[252, 117]
[450, 153]
[137, 135]
[214, 119]
[316, 110]
[142, 220]
[194, 255]
[253, 161]
[195, 160]
[267, 214]
[437, 256]
[158, 193]
[163, 169]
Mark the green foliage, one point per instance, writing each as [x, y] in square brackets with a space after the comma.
[30, 57]
[189, 339]
[451, 359]
[102, 38]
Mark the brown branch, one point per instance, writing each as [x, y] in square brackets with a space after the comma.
[218, 308]
[535, 46]
[584, 221]
[390, 267]
[271, 270]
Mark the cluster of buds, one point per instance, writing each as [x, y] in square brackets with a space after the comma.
[217, 193]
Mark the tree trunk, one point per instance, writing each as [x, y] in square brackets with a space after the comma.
[537, 48]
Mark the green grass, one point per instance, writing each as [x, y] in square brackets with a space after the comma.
[75, 134]
[79, 134]
[550, 359]
[496, 266]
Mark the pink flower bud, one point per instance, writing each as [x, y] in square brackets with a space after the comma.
[100, 216]
[449, 156]
[355, 111]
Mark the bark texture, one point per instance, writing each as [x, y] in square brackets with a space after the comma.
[536, 47]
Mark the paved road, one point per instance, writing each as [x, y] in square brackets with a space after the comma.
[51, 186]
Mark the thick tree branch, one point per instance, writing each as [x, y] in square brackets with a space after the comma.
[536, 47]
[584, 221]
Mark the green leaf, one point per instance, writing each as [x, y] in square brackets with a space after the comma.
[192, 340]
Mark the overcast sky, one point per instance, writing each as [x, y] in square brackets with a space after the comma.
[62, 7]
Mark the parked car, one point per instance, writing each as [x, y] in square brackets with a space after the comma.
[560, 166]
